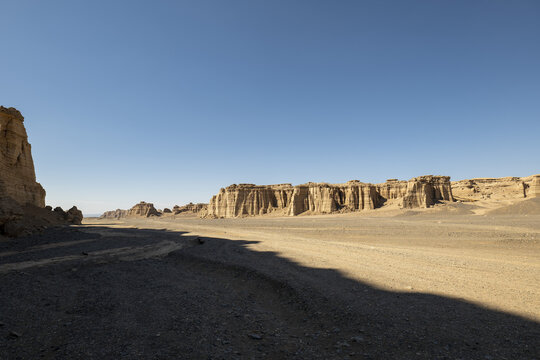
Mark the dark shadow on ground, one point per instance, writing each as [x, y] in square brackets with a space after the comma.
[221, 300]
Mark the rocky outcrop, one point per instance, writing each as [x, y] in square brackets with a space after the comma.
[30, 219]
[190, 208]
[323, 198]
[22, 199]
[17, 174]
[143, 209]
[114, 214]
[535, 186]
[495, 188]
[424, 191]
[72, 216]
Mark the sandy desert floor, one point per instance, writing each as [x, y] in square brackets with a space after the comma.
[400, 285]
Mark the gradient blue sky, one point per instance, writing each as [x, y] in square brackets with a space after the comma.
[167, 101]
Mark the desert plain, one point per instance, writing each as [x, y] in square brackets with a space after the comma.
[455, 281]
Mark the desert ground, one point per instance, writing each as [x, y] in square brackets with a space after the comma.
[446, 283]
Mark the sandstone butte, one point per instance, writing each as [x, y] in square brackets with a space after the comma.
[323, 198]
[497, 188]
[144, 209]
[22, 198]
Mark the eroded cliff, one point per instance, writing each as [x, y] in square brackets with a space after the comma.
[17, 174]
[22, 199]
[496, 188]
[190, 208]
[142, 209]
[323, 198]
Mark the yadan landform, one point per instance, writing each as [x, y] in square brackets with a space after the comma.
[427, 268]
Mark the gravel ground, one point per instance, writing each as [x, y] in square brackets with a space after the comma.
[102, 292]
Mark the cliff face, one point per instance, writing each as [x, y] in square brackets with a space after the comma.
[424, 191]
[143, 209]
[190, 208]
[249, 199]
[17, 175]
[496, 188]
[535, 186]
[114, 214]
[322, 198]
[22, 199]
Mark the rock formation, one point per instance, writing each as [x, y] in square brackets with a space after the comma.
[17, 175]
[535, 186]
[424, 191]
[495, 188]
[114, 214]
[143, 209]
[22, 199]
[323, 198]
[190, 208]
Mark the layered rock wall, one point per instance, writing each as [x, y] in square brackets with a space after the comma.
[17, 174]
[323, 198]
[534, 187]
[496, 188]
[424, 191]
[22, 199]
[143, 209]
[190, 208]
[114, 214]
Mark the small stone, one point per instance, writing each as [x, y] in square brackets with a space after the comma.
[255, 336]
[85, 253]
[15, 334]
[357, 339]
[200, 240]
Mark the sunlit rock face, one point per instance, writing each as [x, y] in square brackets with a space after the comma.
[114, 214]
[22, 199]
[323, 198]
[143, 209]
[504, 188]
[425, 191]
[17, 175]
[190, 208]
[535, 186]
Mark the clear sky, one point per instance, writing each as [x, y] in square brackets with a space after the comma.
[167, 101]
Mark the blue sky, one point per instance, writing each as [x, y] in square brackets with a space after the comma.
[167, 101]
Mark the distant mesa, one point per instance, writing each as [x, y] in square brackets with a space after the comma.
[496, 188]
[190, 208]
[353, 196]
[144, 209]
[323, 198]
[22, 199]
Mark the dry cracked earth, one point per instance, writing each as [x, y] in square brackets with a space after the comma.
[304, 288]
